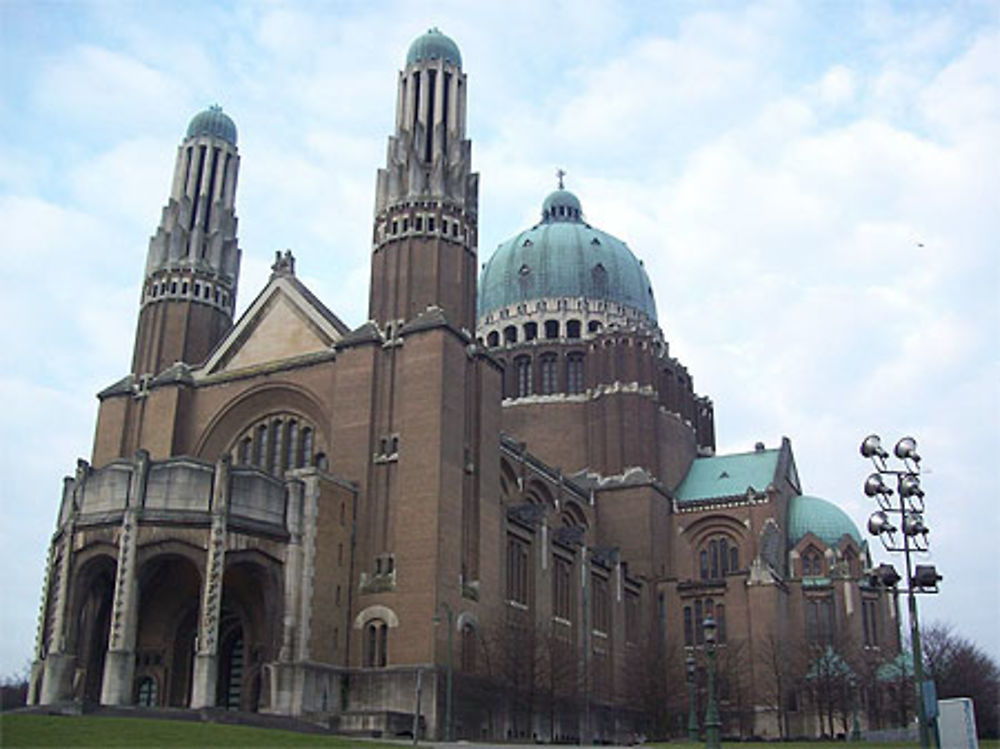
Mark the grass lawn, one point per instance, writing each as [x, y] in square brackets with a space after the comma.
[93, 731]
[983, 744]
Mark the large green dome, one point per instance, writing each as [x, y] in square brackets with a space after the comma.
[434, 46]
[213, 121]
[821, 518]
[564, 257]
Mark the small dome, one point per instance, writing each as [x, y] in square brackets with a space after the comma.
[562, 256]
[565, 200]
[434, 46]
[821, 518]
[213, 121]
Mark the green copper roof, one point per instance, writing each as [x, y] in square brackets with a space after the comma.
[434, 46]
[728, 475]
[564, 257]
[213, 121]
[817, 516]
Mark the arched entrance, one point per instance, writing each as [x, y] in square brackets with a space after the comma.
[250, 595]
[94, 597]
[169, 594]
[232, 663]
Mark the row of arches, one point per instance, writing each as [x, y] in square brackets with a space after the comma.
[168, 608]
[278, 443]
[550, 330]
[547, 373]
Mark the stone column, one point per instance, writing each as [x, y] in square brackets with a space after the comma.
[119, 663]
[59, 666]
[206, 661]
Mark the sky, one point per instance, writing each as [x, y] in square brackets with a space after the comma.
[811, 185]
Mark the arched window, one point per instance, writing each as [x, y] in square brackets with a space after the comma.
[291, 442]
[717, 558]
[573, 329]
[243, 456]
[594, 326]
[277, 451]
[376, 644]
[305, 457]
[523, 366]
[550, 382]
[510, 334]
[260, 453]
[147, 692]
[812, 563]
[574, 373]
[493, 339]
[530, 331]
[551, 329]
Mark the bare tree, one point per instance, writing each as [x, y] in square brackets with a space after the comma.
[781, 670]
[961, 669]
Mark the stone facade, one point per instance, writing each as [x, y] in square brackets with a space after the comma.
[281, 514]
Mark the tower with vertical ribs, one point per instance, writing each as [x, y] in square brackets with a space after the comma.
[193, 262]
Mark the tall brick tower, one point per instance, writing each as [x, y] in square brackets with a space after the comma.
[427, 196]
[193, 261]
[429, 412]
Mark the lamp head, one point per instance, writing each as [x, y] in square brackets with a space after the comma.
[710, 627]
[888, 575]
[879, 523]
[909, 486]
[871, 447]
[913, 524]
[926, 577]
[875, 486]
[906, 449]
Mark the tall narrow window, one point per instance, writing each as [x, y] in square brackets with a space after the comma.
[517, 571]
[307, 447]
[688, 627]
[724, 555]
[703, 566]
[561, 589]
[713, 548]
[549, 380]
[601, 604]
[291, 443]
[699, 622]
[523, 367]
[260, 457]
[574, 373]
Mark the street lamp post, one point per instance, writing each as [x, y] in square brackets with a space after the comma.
[692, 713]
[449, 666]
[913, 532]
[712, 722]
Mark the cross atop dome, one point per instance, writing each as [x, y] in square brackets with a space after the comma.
[560, 173]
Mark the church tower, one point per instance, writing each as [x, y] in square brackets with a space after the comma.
[424, 243]
[193, 261]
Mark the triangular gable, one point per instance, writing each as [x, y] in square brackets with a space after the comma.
[285, 321]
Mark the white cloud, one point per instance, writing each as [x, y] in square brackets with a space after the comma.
[778, 186]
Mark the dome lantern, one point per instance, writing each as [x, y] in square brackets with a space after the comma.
[213, 121]
[434, 45]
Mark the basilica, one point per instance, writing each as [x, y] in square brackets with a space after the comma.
[494, 510]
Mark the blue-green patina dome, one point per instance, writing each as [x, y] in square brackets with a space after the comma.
[564, 257]
[434, 46]
[213, 121]
[821, 518]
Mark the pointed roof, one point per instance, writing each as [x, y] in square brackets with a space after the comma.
[285, 321]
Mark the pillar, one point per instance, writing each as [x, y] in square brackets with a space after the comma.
[119, 663]
[206, 659]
